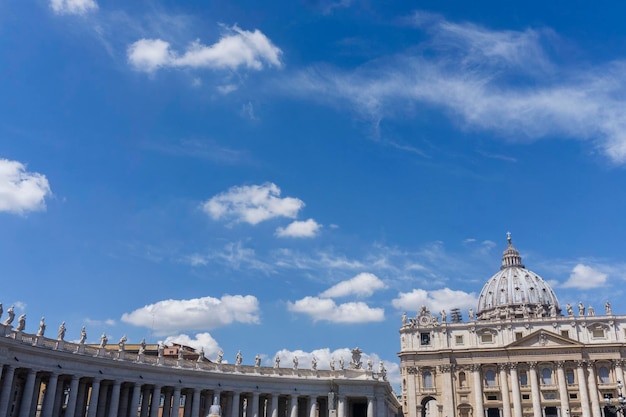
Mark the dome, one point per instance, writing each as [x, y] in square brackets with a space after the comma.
[516, 292]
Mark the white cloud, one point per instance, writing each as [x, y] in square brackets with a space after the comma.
[234, 255]
[80, 7]
[21, 191]
[237, 48]
[583, 276]
[252, 204]
[326, 309]
[499, 81]
[204, 313]
[362, 285]
[200, 341]
[436, 300]
[306, 228]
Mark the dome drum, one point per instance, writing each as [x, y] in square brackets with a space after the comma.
[516, 292]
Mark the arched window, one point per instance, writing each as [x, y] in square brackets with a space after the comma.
[603, 373]
[546, 376]
[569, 375]
[462, 380]
[428, 379]
[490, 378]
[523, 378]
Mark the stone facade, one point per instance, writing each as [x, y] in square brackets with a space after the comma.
[518, 356]
[42, 377]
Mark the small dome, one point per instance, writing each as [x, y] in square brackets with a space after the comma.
[516, 292]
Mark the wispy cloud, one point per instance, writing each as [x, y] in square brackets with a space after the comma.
[362, 285]
[306, 228]
[325, 309]
[500, 81]
[236, 48]
[21, 191]
[169, 316]
[78, 7]
[437, 300]
[252, 204]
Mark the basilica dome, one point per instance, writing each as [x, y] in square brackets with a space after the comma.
[516, 292]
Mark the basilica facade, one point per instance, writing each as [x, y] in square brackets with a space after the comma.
[519, 354]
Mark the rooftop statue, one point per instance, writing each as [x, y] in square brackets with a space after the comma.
[61, 332]
[11, 313]
[21, 323]
[42, 327]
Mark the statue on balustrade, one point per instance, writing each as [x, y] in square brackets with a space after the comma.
[238, 358]
[21, 323]
[103, 340]
[42, 327]
[61, 332]
[11, 313]
[83, 336]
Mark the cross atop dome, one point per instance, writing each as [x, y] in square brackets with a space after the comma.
[511, 257]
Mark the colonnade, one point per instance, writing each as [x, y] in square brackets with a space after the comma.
[26, 392]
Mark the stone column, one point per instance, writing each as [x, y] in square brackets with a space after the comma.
[235, 410]
[155, 401]
[7, 386]
[70, 411]
[274, 406]
[195, 405]
[145, 402]
[104, 399]
[564, 396]
[447, 390]
[124, 393]
[115, 398]
[134, 400]
[176, 402]
[293, 406]
[167, 404]
[517, 398]
[593, 390]
[59, 397]
[619, 371]
[582, 389]
[92, 409]
[478, 391]
[48, 400]
[504, 389]
[29, 391]
[534, 389]
[81, 401]
[313, 406]
[255, 406]
[370, 406]
[411, 387]
[341, 406]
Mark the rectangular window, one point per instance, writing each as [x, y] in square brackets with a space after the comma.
[549, 395]
[525, 396]
[573, 396]
[486, 338]
[598, 333]
[425, 338]
[492, 397]
[518, 335]
[569, 374]
[459, 340]
[565, 333]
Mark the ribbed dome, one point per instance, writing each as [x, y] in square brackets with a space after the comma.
[516, 292]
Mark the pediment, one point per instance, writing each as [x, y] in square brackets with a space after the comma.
[543, 338]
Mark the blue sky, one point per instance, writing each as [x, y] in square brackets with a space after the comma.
[290, 176]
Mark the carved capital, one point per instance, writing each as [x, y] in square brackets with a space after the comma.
[503, 366]
[618, 363]
[513, 365]
[560, 364]
[412, 370]
[448, 367]
[475, 367]
[532, 365]
[581, 364]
